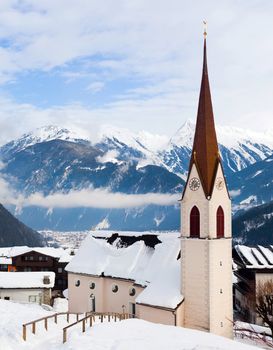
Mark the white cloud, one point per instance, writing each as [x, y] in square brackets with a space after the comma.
[155, 43]
[92, 198]
[110, 156]
[95, 87]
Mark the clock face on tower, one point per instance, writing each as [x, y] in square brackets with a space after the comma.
[219, 183]
[194, 184]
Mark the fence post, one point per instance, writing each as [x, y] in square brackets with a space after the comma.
[55, 318]
[83, 325]
[108, 317]
[90, 321]
[24, 332]
[46, 323]
[67, 317]
[101, 318]
[115, 317]
[64, 335]
[77, 317]
[33, 327]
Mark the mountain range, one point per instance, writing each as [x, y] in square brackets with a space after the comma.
[54, 160]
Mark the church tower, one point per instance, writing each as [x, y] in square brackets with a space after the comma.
[206, 228]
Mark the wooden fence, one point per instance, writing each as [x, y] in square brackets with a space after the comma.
[89, 316]
[45, 320]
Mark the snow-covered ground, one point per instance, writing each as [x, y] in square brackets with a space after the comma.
[124, 335]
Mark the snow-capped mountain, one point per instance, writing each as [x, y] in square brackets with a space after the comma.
[53, 159]
[39, 135]
[239, 148]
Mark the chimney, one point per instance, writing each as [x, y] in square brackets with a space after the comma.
[46, 280]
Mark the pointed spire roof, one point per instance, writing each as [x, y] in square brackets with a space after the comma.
[205, 153]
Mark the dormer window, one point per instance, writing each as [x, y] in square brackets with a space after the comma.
[195, 222]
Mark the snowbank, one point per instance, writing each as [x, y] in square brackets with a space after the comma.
[124, 335]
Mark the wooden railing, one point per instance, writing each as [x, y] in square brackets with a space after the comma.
[91, 316]
[45, 319]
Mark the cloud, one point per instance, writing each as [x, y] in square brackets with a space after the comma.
[110, 156]
[150, 51]
[97, 198]
[89, 198]
[95, 87]
[235, 193]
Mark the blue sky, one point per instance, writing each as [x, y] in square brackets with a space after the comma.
[133, 64]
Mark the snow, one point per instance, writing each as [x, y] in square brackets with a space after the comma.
[62, 254]
[255, 257]
[109, 157]
[136, 262]
[26, 279]
[45, 134]
[128, 334]
[5, 261]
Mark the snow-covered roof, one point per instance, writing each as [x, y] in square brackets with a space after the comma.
[5, 261]
[58, 253]
[26, 279]
[255, 257]
[156, 268]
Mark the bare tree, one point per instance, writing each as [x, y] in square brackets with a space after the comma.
[264, 302]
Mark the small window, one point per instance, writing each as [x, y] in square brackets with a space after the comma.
[132, 291]
[40, 258]
[31, 258]
[114, 288]
[32, 298]
[92, 285]
[60, 269]
[77, 283]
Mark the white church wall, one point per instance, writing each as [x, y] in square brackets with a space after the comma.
[80, 298]
[156, 315]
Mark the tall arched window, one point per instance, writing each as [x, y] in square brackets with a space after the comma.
[220, 218]
[195, 222]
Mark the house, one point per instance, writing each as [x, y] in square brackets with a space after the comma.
[28, 287]
[158, 283]
[27, 259]
[254, 266]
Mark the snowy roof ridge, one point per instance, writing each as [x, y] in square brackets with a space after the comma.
[59, 253]
[26, 279]
[259, 257]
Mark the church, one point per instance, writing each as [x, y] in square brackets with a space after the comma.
[182, 279]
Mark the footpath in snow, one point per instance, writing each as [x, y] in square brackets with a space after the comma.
[124, 335]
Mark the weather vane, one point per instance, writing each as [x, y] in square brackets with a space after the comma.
[205, 29]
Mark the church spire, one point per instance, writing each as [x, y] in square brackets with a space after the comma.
[205, 153]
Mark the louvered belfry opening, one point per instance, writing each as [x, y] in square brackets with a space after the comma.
[220, 218]
[195, 222]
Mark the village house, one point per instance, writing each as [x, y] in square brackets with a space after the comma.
[28, 259]
[254, 265]
[27, 287]
[184, 279]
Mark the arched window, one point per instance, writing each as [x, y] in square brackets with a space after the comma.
[220, 218]
[195, 222]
